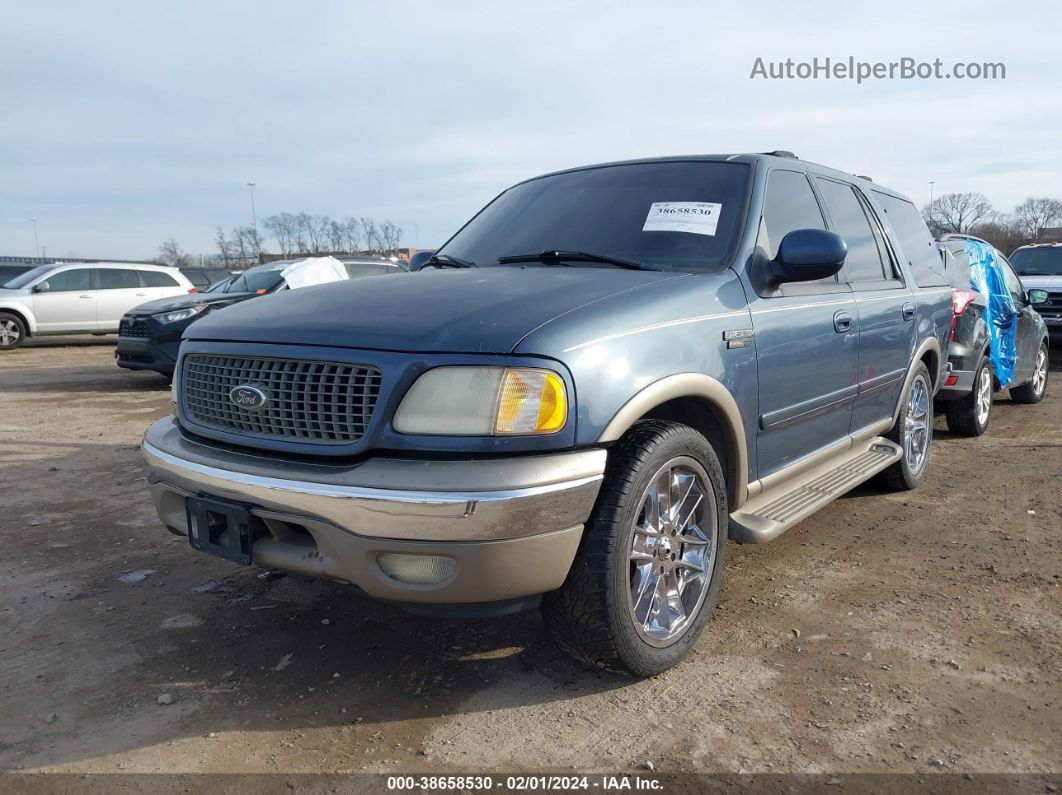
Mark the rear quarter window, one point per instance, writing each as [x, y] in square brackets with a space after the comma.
[158, 279]
[923, 259]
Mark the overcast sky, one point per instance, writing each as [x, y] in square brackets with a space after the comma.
[122, 124]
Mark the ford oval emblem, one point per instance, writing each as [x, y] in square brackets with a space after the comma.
[248, 396]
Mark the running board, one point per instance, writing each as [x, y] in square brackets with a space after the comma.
[771, 513]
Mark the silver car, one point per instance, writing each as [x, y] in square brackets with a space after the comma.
[80, 298]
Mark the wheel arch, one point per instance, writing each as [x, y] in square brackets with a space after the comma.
[27, 318]
[928, 353]
[704, 404]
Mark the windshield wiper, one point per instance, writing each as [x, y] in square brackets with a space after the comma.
[551, 257]
[446, 261]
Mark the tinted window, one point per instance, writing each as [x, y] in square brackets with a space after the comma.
[789, 204]
[66, 281]
[1014, 285]
[605, 211]
[1045, 261]
[117, 279]
[158, 279]
[917, 245]
[958, 266]
[863, 262]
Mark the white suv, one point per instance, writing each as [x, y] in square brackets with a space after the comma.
[80, 298]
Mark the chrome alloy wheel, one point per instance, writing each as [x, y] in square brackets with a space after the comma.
[1039, 379]
[9, 332]
[984, 397]
[672, 552]
[916, 425]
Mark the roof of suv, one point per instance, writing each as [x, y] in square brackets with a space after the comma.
[775, 158]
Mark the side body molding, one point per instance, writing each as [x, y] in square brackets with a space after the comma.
[695, 385]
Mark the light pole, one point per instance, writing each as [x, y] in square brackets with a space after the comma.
[931, 184]
[254, 218]
[36, 240]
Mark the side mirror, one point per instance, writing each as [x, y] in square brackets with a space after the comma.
[1038, 296]
[416, 262]
[808, 254]
[42, 287]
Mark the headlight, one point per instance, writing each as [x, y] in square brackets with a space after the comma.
[179, 314]
[483, 401]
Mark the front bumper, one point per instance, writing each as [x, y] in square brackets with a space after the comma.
[146, 353]
[512, 526]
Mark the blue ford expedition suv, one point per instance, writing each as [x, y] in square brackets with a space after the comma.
[600, 378]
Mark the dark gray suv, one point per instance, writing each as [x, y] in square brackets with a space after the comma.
[998, 339]
[600, 378]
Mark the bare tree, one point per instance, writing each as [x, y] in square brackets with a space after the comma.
[1035, 213]
[170, 253]
[389, 235]
[957, 212]
[284, 229]
[1004, 233]
[351, 234]
[370, 234]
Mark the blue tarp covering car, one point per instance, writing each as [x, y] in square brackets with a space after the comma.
[1001, 315]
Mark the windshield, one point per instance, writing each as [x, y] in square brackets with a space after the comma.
[219, 287]
[28, 276]
[254, 281]
[683, 216]
[1046, 261]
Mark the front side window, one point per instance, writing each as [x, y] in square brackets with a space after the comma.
[117, 278]
[676, 216]
[863, 263]
[1014, 285]
[789, 204]
[67, 281]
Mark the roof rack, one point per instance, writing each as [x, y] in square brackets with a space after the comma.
[781, 153]
[864, 176]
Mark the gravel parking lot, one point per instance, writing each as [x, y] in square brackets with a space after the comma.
[890, 632]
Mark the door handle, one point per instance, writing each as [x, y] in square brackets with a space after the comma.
[842, 322]
[141, 293]
[908, 311]
[84, 296]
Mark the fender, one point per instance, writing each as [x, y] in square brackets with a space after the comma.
[23, 312]
[696, 385]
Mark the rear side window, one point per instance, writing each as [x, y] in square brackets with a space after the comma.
[157, 279]
[789, 204]
[863, 263]
[196, 276]
[927, 268]
[117, 278]
[65, 281]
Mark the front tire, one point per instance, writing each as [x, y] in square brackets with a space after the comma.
[646, 576]
[1033, 391]
[970, 415]
[913, 432]
[12, 331]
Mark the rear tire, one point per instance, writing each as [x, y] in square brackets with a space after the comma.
[646, 576]
[1033, 391]
[12, 331]
[970, 415]
[913, 432]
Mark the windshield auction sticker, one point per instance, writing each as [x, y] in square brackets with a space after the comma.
[698, 218]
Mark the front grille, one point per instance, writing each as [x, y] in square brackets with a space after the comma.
[306, 401]
[1052, 307]
[133, 327]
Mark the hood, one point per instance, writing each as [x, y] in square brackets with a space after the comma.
[1034, 281]
[181, 301]
[478, 310]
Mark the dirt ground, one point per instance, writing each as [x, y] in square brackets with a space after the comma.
[915, 632]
